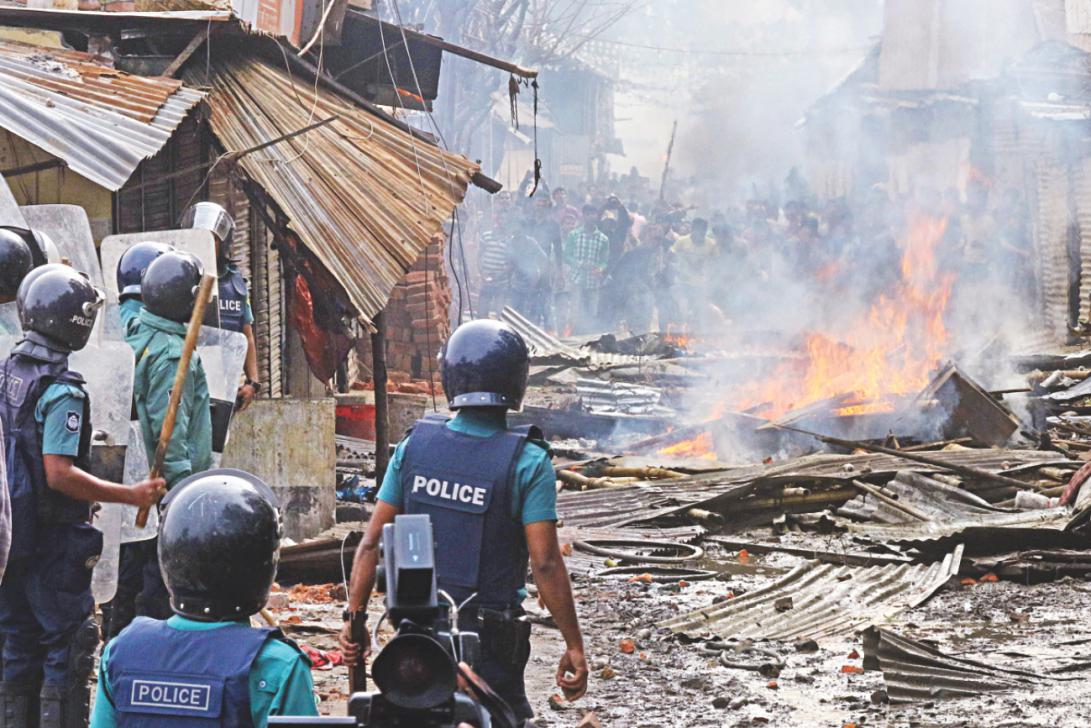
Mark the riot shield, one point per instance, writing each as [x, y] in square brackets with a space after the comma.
[107, 365]
[70, 230]
[9, 208]
[223, 354]
[198, 242]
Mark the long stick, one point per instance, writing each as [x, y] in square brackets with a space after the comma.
[667, 163]
[967, 470]
[204, 293]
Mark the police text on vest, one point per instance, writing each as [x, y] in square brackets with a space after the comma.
[158, 694]
[447, 490]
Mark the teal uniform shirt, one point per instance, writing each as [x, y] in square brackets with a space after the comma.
[157, 344]
[129, 309]
[60, 414]
[534, 493]
[280, 681]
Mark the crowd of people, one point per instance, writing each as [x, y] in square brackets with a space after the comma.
[614, 257]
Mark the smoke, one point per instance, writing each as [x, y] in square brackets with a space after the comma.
[919, 247]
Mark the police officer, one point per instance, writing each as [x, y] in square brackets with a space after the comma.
[45, 597]
[157, 334]
[219, 544]
[491, 493]
[130, 269]
[236, 313]
[138, 563]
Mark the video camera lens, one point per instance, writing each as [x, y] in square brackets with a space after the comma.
[414, 672]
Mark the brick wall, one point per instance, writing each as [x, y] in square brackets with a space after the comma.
[417, 323]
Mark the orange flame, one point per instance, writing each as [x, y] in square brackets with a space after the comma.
[698, 447]
[893, 350]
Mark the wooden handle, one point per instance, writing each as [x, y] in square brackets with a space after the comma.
[358, 672]
[204, 293]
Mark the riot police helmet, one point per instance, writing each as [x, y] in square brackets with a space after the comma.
[42, 248]
[59, 303]
[212, 217]
[134, 261]
[15, 262]
[485, 364]
[219, 544]
[169, 285]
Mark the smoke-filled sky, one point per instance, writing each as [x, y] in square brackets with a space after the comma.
[737, 75]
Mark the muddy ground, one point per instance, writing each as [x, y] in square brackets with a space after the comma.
[667, 682]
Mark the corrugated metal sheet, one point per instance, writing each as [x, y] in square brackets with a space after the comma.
[602, 397]
[827, 600]
[362, 195]
[931, 498]
[642, 502]
[547, 348]
[914, 671]
[100, 121]
[1030, 529]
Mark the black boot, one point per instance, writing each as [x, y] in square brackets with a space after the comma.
[63, 707]
[18, 705]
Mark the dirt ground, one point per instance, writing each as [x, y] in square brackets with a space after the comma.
[667, 682]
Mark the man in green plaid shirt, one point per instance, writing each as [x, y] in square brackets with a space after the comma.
[586, 251]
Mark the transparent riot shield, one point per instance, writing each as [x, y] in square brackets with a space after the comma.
[198, 242]
[70, 230]
[107, 365]
[9, 208]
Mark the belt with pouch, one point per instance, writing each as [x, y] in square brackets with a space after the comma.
[505, 634]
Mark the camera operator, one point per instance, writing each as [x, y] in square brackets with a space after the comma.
[490, 491]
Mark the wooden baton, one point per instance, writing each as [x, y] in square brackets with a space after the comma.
[204, 293]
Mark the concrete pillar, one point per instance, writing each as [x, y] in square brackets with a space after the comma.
[290, 444]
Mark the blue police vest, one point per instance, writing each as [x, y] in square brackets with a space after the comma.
[465, 484]
[233, 298]
[161, 677]
[23, 380]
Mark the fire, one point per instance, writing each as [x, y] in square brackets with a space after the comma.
[892, 350]
[698, 447]
[680, 339]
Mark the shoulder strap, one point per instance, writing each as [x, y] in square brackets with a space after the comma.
[534, 436]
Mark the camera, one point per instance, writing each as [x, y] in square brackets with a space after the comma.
[417, 671]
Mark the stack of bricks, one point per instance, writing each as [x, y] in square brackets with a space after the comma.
[417, 320]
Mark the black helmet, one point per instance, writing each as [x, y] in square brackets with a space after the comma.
[219, 544]
[59, 303]
[15, 262]
[169, 285]
[485, 364]
[42, 248]
[134, 261]
[212, 217]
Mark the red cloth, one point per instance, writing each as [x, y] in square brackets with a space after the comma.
[1073, 488]
[321, 659]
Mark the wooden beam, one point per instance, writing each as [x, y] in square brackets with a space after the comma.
[378, 376]
[195, 42]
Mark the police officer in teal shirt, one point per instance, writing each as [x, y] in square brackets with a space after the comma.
[490, 492]
[236, 313]
[218, 544]
[157, 336]
[138, 580]
[45, 597]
